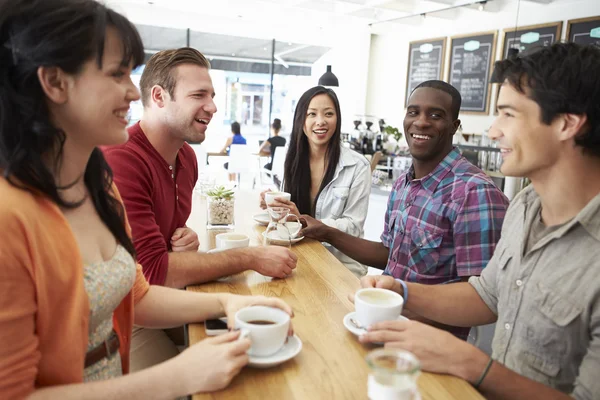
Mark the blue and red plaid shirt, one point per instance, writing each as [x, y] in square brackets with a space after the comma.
[443, 226]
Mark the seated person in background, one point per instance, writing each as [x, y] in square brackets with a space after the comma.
[271, 144]
[541, 287]
[325, 180]
[70, 287]
[156, 171]
[235, 138]
[444, 215]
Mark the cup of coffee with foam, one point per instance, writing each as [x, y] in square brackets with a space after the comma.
[376, 305]
[267, 328]
[271, 196]
[231, 240]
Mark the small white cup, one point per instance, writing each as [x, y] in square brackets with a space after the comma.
[374, 305]
[266, 339]
[271, 196]
[231, 240]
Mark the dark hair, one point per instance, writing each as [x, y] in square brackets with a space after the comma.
[297, 163]
[159, 68]
[562, 79]
[448, 88]
[235, 128]
[65, 34]
[276, 125]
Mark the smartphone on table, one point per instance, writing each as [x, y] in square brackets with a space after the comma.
[216, 326]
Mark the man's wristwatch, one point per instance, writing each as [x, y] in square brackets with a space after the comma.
[404, 289]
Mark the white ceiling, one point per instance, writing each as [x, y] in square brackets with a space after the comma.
[315, 20]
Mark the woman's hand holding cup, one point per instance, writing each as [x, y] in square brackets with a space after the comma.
[280, 202]
[263, 201]
[211, 364]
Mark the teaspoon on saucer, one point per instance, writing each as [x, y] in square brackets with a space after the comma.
[357, 324]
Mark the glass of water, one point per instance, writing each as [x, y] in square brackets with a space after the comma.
[283, 228]
[205, 183]
[393, 375]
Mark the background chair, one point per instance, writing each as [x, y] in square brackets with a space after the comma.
[277, 167]
[240, 160]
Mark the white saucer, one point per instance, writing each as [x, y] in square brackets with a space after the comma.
[287, 352]
[215, 250]
[262, 218]
[359, 331]
[277, 239]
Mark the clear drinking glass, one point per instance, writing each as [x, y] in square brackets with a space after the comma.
[205, 183]
[393, 375]
[282, 228]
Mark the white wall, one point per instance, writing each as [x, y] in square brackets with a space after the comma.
[389, 50]
[349, 60]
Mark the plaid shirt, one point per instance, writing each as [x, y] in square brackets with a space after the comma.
[445, 225]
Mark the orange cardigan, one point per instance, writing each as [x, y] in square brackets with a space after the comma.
[44, 308]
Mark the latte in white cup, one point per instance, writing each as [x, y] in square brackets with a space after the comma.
[374, 305]
[231, 240]
[271, 196]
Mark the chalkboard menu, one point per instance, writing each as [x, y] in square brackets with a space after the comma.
[471, 59]
[527, 37]
[584, 31]
[425, 62]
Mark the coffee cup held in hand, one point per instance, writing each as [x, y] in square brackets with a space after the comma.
[266, 327]
[376, 305]
[271, 196]
[227, 241]
[261, 322]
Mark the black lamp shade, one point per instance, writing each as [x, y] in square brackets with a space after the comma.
[328, 78]
[512, 53]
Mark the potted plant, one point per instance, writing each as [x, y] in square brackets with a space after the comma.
[220, 210]
[396, 134]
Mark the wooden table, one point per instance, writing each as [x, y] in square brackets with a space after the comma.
[332, 363]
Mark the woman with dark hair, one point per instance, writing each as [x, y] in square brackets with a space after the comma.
[235, 138]
[70, 289]
[326, 181]
[273, 142]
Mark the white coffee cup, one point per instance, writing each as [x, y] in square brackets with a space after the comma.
[231, 240]
[271, 196]
[374, 305]
[266, 339]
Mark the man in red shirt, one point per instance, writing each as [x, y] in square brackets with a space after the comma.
[156, 171]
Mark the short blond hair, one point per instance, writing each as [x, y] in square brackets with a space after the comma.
[159, 68]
